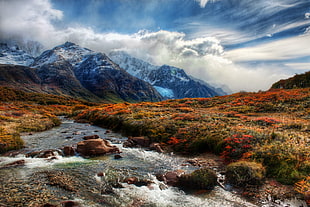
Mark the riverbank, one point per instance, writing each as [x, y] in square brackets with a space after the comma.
[73, 178]
[269, 128]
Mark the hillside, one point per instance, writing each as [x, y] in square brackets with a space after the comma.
[57, 79]
[298, 81]
[22, 111]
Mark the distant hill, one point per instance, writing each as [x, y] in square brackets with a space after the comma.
[298, 81]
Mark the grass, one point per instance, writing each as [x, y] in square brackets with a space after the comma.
[29, 112]
[269, 127]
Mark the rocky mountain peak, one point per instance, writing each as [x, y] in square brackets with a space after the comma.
[171, 82]
[66, 52]
[95, 71]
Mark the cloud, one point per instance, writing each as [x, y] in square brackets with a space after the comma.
[202, 56]
[299, 66]
[203, 3]
[31, 19]
[282, 49]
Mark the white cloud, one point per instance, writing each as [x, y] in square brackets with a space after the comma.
[203, 3]
[200, 56]
[299, 66]
[31, 19]
[283, 49]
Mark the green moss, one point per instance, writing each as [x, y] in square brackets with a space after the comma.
[199, 179]
[243, 172]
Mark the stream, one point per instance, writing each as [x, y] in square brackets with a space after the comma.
[38, 181]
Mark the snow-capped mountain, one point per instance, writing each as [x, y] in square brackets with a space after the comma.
[66, 52]
[14, 55]
[96, 73]
[170, 82]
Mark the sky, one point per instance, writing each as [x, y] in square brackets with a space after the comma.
[244, 44]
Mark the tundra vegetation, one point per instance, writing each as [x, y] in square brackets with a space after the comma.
[260, 134]
[271, 129]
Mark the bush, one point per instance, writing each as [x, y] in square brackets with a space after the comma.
[243, 172]
[285, 168]
[10, 142]
[199, 179]
[212, 144]
[236, 146]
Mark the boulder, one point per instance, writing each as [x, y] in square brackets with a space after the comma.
[131, 180]
[171, 178]
[156, 147]
[117, 157]
[43, 153]
[135, 181]
[69, 204]
[95, 147]
[68, 151]
[95, 136]
[137, 142]
[15, 163]
[100, 174]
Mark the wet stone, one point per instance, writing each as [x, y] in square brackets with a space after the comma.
[117, 157]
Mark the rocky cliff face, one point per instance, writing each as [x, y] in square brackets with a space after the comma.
[93, 71]
[170, 82]
[104, 78]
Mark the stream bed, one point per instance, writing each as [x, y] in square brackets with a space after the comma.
[95, 182]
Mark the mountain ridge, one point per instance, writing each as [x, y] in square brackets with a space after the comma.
[59, 71]
[171, 82]
[69, 69]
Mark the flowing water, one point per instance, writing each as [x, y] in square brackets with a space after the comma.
[44, 180]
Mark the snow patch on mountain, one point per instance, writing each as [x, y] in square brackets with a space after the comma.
[15, 56]
[68, 51]
[169, 81]
[165, 92]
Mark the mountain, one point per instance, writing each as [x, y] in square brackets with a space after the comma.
[170, 82]
[68, 51]
[57, 81]
[14, 55]
[298, 81]
[20, 77]
[94, 71]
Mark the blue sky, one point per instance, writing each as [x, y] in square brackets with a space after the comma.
[244, 44]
